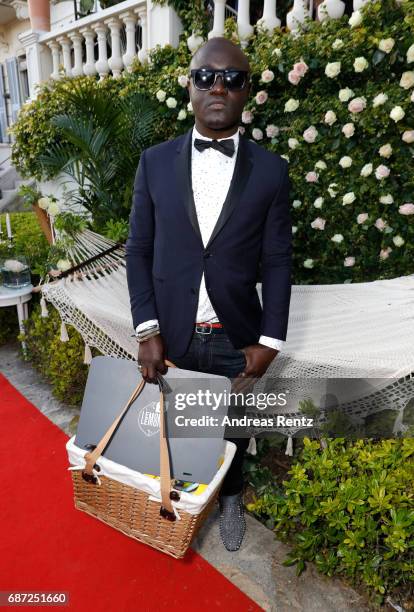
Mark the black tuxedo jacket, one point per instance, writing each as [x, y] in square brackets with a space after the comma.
[165, 256]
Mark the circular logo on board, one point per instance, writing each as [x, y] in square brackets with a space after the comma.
[149, 419]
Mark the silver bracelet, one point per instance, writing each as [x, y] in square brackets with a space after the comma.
[148, 336]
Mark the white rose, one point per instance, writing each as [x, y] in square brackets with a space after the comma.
[332, 192]
[362, 217]
[360, 64]
[183, 80]
[366, 170]
[320, 164]
[190, 107]
[349, 261]
[53, 209]
[381, 98]
[380, 224]
[345, 94]
[412, 96]
[277, 52]
[355, 19]
[338, 43]
[386, 45]
[291, 105]
[385, 150]
[272, 130]
[171, 102]
[318, 202]
[294, 229]
[382, 172]
[398, 240]
[318, 223]
[293, 143]
[397, 113]
[63, 264]
[267, 76]
[310, 134]
[345, 161]
[332, 69]
[181, 115]
[407, 79]
[330, 117]
[349, 198]
[296, 203]
[308, 263]
[337, 238]
[348, 130]
[408, 136]
[160, 95]
[410, 54]
[261, 97]
[44, 202]
[286, 157]
[257, 134]
[247, 116]
[386, 199]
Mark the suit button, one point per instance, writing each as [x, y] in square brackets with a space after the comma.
[207, 255]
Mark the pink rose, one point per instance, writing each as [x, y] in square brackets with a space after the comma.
[406, 209]
[247, 116]
[312, 177]
[349, 261]
[384, 253]
[310, 134]
[261, 97]
[357, 105]
[294, 77]
[272, 131]
[380, 224]
[267, 76]
[242, 129]
[382, 172]
[257, 133]
[300, 68]
[318, 223]
[362, 217]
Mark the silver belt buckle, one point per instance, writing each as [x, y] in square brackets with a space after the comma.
[201, 330]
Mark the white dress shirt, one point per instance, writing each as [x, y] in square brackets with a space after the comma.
[211, 176]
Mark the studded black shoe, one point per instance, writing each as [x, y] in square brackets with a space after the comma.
[232, 521]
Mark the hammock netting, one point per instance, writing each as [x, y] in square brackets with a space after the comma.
[351, 330]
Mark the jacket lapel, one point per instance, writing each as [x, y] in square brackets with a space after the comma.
[183, 174]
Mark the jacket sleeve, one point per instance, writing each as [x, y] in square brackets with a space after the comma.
[276, 261]
[139, 250]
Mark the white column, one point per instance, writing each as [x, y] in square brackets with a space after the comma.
[270, 21]
[39, 60]
[164, 25]
[89, 67]
[115, 61]
[143, 52]
[66, 46]
[244, 28]
[102, 66]
[55, 49]
[77, 40]
[218, 24]
[129, 20]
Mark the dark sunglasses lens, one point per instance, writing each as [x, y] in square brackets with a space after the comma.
[204, 79]
[235, 79]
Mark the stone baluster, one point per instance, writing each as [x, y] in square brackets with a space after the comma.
[143, 52]
[270, 20]
[218, 24]
[115, 61]
[55, 49]
[77, 40]
[89, 68]
[102, 66]
[66, 44]
[129, 20]
[244, 28]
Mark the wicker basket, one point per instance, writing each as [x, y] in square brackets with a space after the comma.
[133, 511]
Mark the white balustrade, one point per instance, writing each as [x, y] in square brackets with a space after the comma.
[130, 21]
[218, 24]
[270, 20]
[244, 28]
[115, 62]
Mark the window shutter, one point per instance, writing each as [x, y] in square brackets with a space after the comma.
[14, 86]
[4, 137]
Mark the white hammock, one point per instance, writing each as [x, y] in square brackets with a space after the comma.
[355, 330]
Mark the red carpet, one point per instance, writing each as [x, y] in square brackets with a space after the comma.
[47, 545]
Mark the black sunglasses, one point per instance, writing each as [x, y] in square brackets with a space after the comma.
[205, 78]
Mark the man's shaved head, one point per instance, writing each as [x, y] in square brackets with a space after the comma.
[223, 45]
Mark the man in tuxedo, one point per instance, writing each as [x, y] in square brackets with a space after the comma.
[210, 211]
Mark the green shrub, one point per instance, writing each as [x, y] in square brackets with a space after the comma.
[28, 239]
[350, 509]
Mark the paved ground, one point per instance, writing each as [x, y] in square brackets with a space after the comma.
[256, 568]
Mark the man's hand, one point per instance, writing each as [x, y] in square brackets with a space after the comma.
[258, 359]
[151, 358]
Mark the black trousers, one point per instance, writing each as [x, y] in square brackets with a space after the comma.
[213, 353]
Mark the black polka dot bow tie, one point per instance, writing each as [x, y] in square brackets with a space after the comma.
[224, 146]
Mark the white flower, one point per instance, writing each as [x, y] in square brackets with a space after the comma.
[366, 170]
[337, 238]
[308, 263]
[384, 253]
[355, 19]
[286, 157]
[408, 136]
[293, 143]
[397, 113]
[247, 116]
[291, 105]
[398, 240]
[357, 105]
[296, 203]
[386, 45]
[272, 130]
[348, 198]
[53, 209]
[318, 223]
[257, 134]
[412, 96]
[338, 43]
[410, 54]
[63, 264]
[332, 69]
[277, 52]
[332, 192]
[160, 95]
[349, 261]
[345, 94]
[382, 172]
[321, 165]
[267, 76]
[310, 134]
[311, 177]
[345, 161]
[261, 97]
[362, 217]
[406, 209]
[14, 265]
[294, 229]
[385, 150]
[380, 224]
[330, 117]
[190, 107]
[360, 64]
[171, 102]
[379, 99]
[386, 199]
[183, 80]
[407, 79]
[182, 115]
[348, 130]
[318, 202]
[44, 202]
